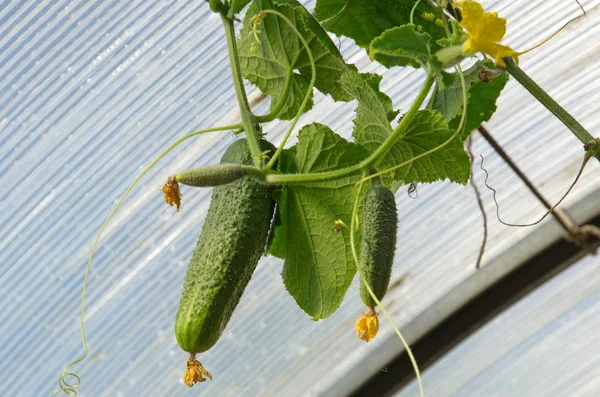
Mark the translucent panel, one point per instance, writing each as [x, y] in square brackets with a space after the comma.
[545, 345]
[92, 91]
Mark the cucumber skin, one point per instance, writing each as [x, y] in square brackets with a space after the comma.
[378, 242]
[232, 241]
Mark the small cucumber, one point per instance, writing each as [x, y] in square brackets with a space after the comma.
[212, 175]
[378, 242]
[232, 241]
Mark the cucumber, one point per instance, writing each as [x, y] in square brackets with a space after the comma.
[212, 175]
[378, 242]
[232, 241]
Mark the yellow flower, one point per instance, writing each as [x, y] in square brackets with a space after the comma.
[367, 326]
[171, 192]
[195, 372]
[484, 32]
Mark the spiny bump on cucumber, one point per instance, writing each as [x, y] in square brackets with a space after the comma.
[232, 241]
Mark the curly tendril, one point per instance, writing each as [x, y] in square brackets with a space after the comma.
[63, 385]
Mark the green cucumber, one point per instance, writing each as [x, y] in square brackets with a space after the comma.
[212, 175]
[378, 242]
[232, 241]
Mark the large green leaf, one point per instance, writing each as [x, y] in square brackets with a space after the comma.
[374, 111]
[481, 98]
[280, 52]
[363, 20]
[425, 132]
[318, 266]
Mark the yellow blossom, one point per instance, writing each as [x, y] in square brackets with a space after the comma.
[195, 372]
[484, 32]
[367, 326]
[171, 192]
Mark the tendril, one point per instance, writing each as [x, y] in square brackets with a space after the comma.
[583, 164]
[413, 192]
[558, 31]
[63, 385]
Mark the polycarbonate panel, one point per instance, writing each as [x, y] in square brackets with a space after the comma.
[92, 91]
[545, 345]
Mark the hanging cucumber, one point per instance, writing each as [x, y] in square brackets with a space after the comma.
[376, 255]
[232, 241]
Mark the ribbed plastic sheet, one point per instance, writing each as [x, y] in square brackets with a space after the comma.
[545, 345]
[92, 91]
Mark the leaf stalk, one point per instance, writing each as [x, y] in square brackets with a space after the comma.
[248, 119]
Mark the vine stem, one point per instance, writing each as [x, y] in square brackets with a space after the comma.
[353, 228]
[542, 96]
[248, 119]
[373, 158]
[64, 386]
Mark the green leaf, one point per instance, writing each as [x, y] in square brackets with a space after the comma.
[401, 46]
[318, 266]
[363, 20]
[449, 101]
[374, 111]
[481, 98]
[481, 103]
[277, 237]
[237, 6]
[280, 52]
[425, 132]
[277, 234]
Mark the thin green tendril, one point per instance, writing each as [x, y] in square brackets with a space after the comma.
[412, 12]
[63, 385]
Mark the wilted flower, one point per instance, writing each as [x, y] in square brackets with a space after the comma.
[367, 326]
[195, 372]
[171, 191]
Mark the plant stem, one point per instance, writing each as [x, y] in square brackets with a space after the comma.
[248, 119]
[218, 6]
[282, 100]
[373, 158]
[569, 121]
[404, 122]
